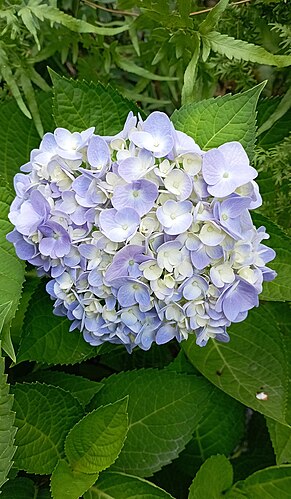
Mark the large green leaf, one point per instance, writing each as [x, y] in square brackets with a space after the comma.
[214, 121]
[279, 289]
[11, 270]
[120, 486]
[241, 50]
[281, 440]
[44, 415]
[19, 488]
[79, 105]
[274, 483]
[82, 389]
[253, 367]
[7, 430]
[219, 431]
[18, 134]
[69, 484]
[46, 337]
[94, 443]
[164, 409]
[214, 476]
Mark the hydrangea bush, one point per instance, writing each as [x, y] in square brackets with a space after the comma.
[140, 231]
[145, 236]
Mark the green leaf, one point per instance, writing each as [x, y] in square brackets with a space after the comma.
[241, 50]
[44, 415]
[6, 72]
[280, 129]
[121, 486]
[5, 333]
[7, 430]
[55, 15]
[219, 469]
[11, 270]
[82, 389]
[29, 287]
[7, 344]
[274, 482]
[241, 367]
[29, 22]
[69, 484]
[117, 358]
[134, 40]
[181, 364]
[282, 109]
[164, 409]
[19, 488]
[205, 49]
[79, 105]
[39, 81]
[14, 153]
[131, 67]
[4, 311]
[94, 443]
[161, 53]
[46, 337]
[214, 121]
[213, 17]
[184, 8]
[276, 134]
[279, 289]
[219, 431]
[266, 107]
[30, 96]
[190, 74]
[281, 440]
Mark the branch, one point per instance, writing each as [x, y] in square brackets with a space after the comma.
[208, 10]
[119, 12]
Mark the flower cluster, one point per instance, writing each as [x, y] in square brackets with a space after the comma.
[145, 237]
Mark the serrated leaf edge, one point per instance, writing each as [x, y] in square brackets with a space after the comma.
[12, 429]
[126, 398]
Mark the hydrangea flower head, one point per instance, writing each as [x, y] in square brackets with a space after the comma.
[144, 236]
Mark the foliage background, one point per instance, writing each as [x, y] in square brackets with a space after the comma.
[160, 54]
